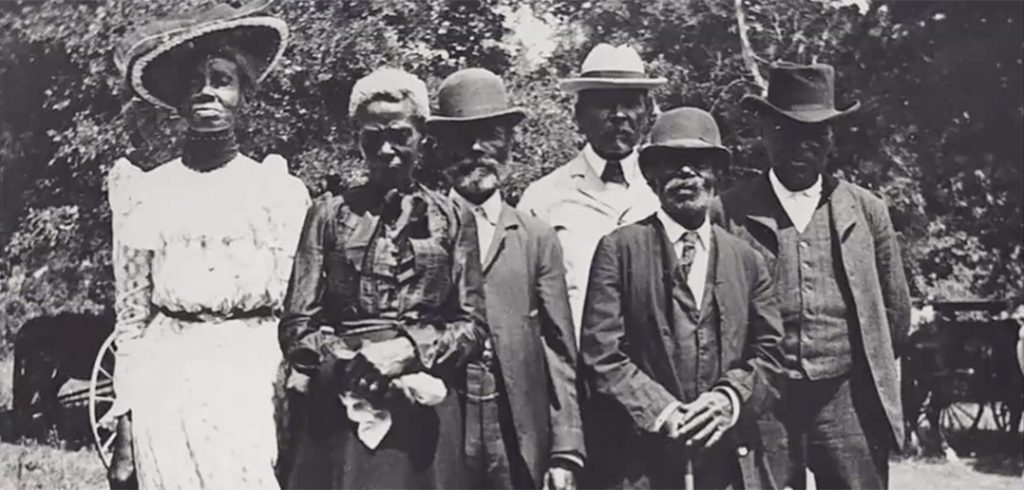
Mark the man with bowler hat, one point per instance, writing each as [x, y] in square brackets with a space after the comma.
[680, 338]
[602, 188]
[523, 424]
[841, 289]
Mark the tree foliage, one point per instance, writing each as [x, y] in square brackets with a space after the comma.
[938, 135]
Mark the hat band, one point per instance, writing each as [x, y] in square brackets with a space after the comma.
[805, 107]
[612, 74]
[478, 112]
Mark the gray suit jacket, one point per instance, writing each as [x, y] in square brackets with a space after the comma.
[532, 331]
[871, 266]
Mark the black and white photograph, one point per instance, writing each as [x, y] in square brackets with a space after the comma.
[511, 244]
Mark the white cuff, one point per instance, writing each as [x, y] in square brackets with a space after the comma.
[734, 398]
[663, 416]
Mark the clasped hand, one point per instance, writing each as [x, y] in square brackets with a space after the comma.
[701, 423]
[369, 373]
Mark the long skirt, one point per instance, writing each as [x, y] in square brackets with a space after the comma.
[205, 418]
[423, 449]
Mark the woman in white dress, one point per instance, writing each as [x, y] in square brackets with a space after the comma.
[203, 246]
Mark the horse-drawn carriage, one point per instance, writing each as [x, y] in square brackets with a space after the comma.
[959, 367]
[63, 378]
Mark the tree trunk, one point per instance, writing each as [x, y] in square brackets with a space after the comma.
[748, 51]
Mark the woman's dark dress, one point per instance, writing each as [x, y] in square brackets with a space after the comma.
[351, 266]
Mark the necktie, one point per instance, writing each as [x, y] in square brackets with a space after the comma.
[613, 172]
[485, 231]
[689, 241]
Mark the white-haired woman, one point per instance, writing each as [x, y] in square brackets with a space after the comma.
[383, 309]
[202, 252]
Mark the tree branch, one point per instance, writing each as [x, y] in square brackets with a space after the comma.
[746, 49]
[721, 93]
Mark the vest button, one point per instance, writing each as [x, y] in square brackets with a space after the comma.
[742, 451]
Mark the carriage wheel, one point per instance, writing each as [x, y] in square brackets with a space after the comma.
[101, 400]
[1002, 415]
[958, 417]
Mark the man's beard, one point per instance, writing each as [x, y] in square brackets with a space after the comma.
[478, 183]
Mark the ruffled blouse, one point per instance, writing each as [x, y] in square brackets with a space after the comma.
[213, 245]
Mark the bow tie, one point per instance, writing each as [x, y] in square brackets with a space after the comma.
[613, 172]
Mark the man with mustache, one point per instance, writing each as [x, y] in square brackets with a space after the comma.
[680, 338]
[523, 427]
[841, 288]
[602, 188]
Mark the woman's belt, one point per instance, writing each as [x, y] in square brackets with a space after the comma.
[216, 317]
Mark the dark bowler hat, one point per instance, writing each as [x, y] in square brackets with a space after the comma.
[150, 57]
[803, 93]
[473, 94]
[684, 129]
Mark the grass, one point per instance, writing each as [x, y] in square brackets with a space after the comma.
[44, 467]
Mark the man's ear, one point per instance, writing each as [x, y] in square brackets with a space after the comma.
[577, 111]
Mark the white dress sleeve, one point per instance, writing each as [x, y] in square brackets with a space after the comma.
[132, 276]
[288, 211]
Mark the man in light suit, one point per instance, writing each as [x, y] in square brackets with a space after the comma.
[523, 423]
[680, 339]
[602, 188]
[842, 292]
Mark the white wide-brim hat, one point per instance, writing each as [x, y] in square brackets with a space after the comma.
[611, 67]
[150, 57]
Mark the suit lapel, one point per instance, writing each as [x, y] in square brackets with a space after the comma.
[763, 210]
[659, 276]
[506, 221]
[711, 279]
[844, 211]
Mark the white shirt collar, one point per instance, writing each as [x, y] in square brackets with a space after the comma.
[814, 191]
[630, 164]
[491, 207]
[675, 230]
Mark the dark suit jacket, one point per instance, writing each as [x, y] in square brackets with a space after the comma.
[532, 333]
[627, 327]
[871, 266]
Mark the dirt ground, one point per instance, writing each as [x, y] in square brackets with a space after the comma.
[34, 466]
[43, 467]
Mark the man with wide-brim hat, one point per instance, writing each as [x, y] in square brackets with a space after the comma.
[602, 188]
[523, 427]
[680, 339]
[841, 289]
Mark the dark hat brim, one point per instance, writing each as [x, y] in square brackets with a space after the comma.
[759, 104]
[580, 84]
[649, 154]
[514, 114]
[154, 74]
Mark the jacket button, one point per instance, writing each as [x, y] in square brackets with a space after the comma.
[742, 451]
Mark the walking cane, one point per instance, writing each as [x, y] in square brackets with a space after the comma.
[688, 477]
[688, 483]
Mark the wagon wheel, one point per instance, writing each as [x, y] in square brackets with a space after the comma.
[958, 417]
[1003, 416]
[101, 400]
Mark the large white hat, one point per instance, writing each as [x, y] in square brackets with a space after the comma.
[611, 67]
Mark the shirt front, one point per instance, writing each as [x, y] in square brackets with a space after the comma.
[616, 192]
[486, 217]
[698, 273]
[799, 205]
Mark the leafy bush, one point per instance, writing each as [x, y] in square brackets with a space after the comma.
[938, 135]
